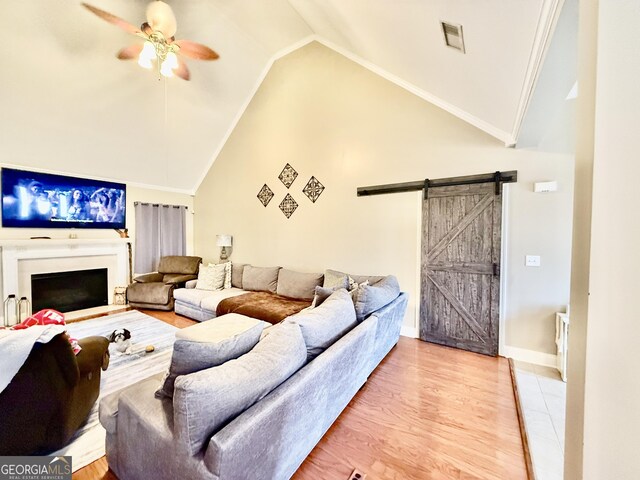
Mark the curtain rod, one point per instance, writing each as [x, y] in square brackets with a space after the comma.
[160, 205]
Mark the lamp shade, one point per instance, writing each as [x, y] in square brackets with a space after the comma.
[223, 240]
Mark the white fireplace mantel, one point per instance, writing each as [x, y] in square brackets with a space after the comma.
[37, 243]
[16, 251]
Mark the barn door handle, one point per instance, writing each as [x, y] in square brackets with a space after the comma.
[496, 270]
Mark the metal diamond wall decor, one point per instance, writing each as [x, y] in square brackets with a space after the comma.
[288, 175]
[265, 195]
[288, 205]
[313, 189]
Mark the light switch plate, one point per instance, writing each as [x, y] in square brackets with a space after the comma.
[545, 187]
[532, 260]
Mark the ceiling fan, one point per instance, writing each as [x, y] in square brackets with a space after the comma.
[160, 43]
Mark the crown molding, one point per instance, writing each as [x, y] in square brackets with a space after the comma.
[549, 15]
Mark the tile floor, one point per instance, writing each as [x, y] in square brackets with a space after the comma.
[543, 397]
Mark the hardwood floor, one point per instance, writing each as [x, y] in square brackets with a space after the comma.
[170, 317]
[427, 412]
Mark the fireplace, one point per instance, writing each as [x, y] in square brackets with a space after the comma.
[23, 258]
[69, 291]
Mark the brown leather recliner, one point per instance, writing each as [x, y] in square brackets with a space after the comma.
[155, 290]
[51, 395]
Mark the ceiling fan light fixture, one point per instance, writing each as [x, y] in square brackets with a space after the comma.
[169, 64]
[147, 55]
[160, 17]
[160, 45]
[149, 51]
[145, 63]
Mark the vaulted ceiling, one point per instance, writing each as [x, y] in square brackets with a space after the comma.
[67, 104]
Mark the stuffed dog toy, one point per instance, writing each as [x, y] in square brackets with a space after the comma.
[122, 340]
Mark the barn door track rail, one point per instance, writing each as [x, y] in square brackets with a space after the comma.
[496, 177]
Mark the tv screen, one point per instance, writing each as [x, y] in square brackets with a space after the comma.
[42, 200]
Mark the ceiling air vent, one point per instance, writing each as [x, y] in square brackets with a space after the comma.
[453, 35]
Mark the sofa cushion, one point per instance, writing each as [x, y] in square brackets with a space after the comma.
[260, 279]
[236, 274]
[192, 296]
[297, 284]
[108, 406]
[208, 344]
[366, 278]
[179, 264]
[321, 294]
[323, 325]
[334, 278]
[211, 277]
[205, 401]
[350, 282]
[368, 298]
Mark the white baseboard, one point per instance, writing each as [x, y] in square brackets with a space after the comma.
[529, 356]
[410, 332]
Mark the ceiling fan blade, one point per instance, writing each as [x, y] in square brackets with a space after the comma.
[130, 52]
[195, 50]
[117, 21]
[182, 71]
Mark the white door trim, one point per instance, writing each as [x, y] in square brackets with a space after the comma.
[503, 271]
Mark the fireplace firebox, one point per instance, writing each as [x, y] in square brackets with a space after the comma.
[70, 291]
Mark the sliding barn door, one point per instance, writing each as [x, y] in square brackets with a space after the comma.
[460, 283]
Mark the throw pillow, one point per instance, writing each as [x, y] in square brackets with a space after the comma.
[297, 284]
[321, 294]
[260, 279]
[236, 274]
[208, 344]
[204, 401]
[333, 278]
[369, 298]
[323, 325]
[364, 278]
[227, 275]
[211, 277]
[353, 285]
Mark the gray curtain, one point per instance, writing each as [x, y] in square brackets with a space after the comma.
[160, 231]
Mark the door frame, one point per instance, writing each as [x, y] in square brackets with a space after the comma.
[504, 268]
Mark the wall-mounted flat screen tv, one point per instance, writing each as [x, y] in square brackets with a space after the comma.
[43, 200]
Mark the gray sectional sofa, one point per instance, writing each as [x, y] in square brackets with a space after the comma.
[202, 304]
[289, 388]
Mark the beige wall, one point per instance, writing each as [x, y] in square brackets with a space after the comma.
[335, 120]
[587, 47]
[612, 389]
